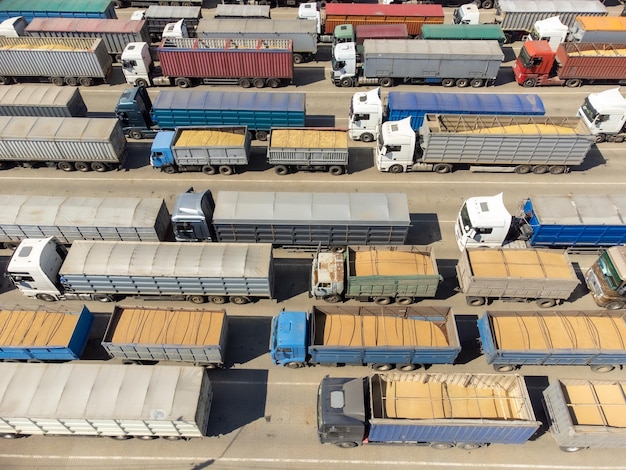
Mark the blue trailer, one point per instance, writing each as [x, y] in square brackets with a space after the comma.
[591, 338]
[259, 111]
[440, 410]
[57, 9]
[381, 336]
[38, 335]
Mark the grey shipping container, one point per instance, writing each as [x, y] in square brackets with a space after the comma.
[79, 399]
[504, 140]
[196, 270]
[242, 11]
[31, 100]
[71, 60]
[67, 141]
[302, 33]
[516, 274]
[82, 218]
[311, 219]
[586, 413]
[136, 334]
[116, 34]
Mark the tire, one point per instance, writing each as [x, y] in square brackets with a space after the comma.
[240, 300]
[386, 82]
[406, 367]
[346, 444]
[442, 168]
[104, 298]
[573, 83]
[169, 169]
[82, 166]
[469, 446]
[477, 83]
[335, 170]
[530, 83]
[172, 438]
[135, 134]
[281, 170]
[557, 169]
[447, 82]
[217, 299]
[332, 299]
[382, 300]
[274, 83]
[147, 438]
[245, 83]
[570, 448]
[346, 82]
[475, 301]
[182, 82]
[462, 82]
[546, 303]
[540, 169]
[258, 83]
[599, 138]
[85, 81]
[396, 169]
[338, 248]
[65, 166]
[615, 305]
[504, 367]
[441, 445]
[6, 80]
[141, 83]
[197, 299]
[46, 297]
[404, 300]
[209, 170]
[262, 135]
[121, 437]
[367, 137]
[522, 169]
[99, 167]
[71, 81]
[602, 368]
[298, 59]
[226, 170]
[487, 4]
[382, 367]
[58, 81]
[8, 435]
[294, 365]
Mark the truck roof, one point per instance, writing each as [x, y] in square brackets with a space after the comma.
[166, 11]
[52, 44]
[579, 209]
[526, 263]
[488, 209]
[37, 328]
[86, 6]
[291, 328]
[39, 95]
[368, 9]
[463, 31]
[84, 25]
[556, 6]
[57, 129]
[221, 44]
[309, 138]
[427, 48]
[602, 23]
[254, 25]
[461, 103]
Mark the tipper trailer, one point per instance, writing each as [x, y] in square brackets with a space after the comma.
[41, 100]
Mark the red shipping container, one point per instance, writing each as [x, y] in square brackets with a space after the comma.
[226, 58]
[380, 31]
[591, 61]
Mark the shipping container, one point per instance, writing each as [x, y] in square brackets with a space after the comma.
[380, 31]
[50, 101]
[463, 31]
[224, 11]
[589, 61]
[56, 9]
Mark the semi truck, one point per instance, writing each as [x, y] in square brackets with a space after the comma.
[382, 274]
[486, 32]
[149, 3]
[157, 17]
[118, 401]
[107, 270]
[387, 62]
[515, 144]
[604, 113]
[588, 338]
[605, 278]
[594, 29]
[68, 144]
[71, 61]
[301, 33]
[576, 222]
[82, 218]
[572, 65]
[211, 150]
[382, 337]
[114, 33]
[51, 101]
[43, 336]
[440, 410]
[309, 149]
[139, 335]
[586, 413]
[57, 9]
[188, 61]
[516, 275]
[368, 111]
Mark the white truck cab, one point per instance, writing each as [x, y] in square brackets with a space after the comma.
[604, 113]
[137, 64]
[366, 115]
[175, 30]
[551, 30]
[395, 151]
[482, 222]
[13, 27]
[310, 11]
[466, 14]
[343, 62]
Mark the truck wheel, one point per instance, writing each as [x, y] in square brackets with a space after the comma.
[71, 81]
[240, 300]
[487, 4]
[447, 82]
[8, 435]
[441, 445]
[85, 81]
[475, 301]
[135, 134]
[6, 80]
[182, 82]
[540, 169]
[617, 305]
[217, 299]
[381, 367]
[169, 169]
[147, 438]
[396, 169]
[58, 81]
[477, 83]
[386, 82]
[261, 135]
[557, 169]
[504, 367]
[406, 367]
[82, 166]
[208, 170]
[469, 446]
[529, 83]
[281, 170]
[346, 444]
[104, 298]
[442, 168]
[65, 166]
[462, 82]
[140, 82]
[121, 437]
[404, 300]
[521, 169]
[570, 448]
[274, 82]
[258, 83]
[367, 137]
[332, 299]
[45, 297]
[346, 82]
[298, 59]
[294, 365]
[573, 83]
[226, 170]
[245, 83]
[382, 300]
[600, 138]
[335, 170]
[99, 167]
[602, 368]
[196, 299]
[545, 303]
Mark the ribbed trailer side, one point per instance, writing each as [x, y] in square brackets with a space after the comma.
[57, 9]
[605, 61]
[41, 100]
[521, 15]
[308, 146]
[80, 399]
[226, 11]
[329, 219]
[463, 32]
[201, 146]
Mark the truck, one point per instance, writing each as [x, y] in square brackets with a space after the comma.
[259, 111]
[517, 275]
[515, 144]
[382, 274]
[387, 62]
[556, 337]
[368, 111]
[487, 32]
[311, 149]
[57, 9]
[572, 65]
[223, 11]
[585, 413]
[157, 17]
[301, 33]
[382, 337]
[440, 410]
[114, 33]
[149, 3]
[577, 222]
[187, 61]
[336, 14]
[605, 278]
[139, 335]
[108, 270]
[82, 218]
[67, 144]
[222, 150]
[98, 399]
[61, 61]
[42, 335]
[51, 101]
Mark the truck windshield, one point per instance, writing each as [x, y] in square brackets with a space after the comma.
[609, 272]
[588, 110]
[534, 35]
[525, 58]
[466, 222]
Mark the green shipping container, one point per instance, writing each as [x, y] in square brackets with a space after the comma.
[463, 31]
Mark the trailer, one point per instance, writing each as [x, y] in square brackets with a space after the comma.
[310, 220]
[586, 413]
[225, 11]
[519, 275]
[43, 336]
[599, 29]
[118, 401]
[150, 3]
[308, 149]
[114, 33]
[383, 337]
[386, 62]
[382, 274]
[259, 111]
[105, 271]
[301, 33]
[159, 16]
[51, 101]
[485, 32]
[591, 338]
[222, 150]
[65, 143]
[440, 410]
[56, 9]
[139, 335]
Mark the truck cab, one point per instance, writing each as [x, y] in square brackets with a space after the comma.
[13, 27]
[466, 14]
[551, 30]
[289, 339]
[396, 147]
[137, 64]
[343, 33]
[606, 278]
[535, 64]
[34, 267]
[366, 115]
[175, 30]
[482, 222]
[161, 155]
[604, 114]
[341, 418]
[133, 111]
[343, 62]
[327, 276]
[192, 217]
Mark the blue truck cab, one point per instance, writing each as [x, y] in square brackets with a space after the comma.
[161, 155]
[288, 339]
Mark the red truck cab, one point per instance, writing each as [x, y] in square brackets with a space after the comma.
[534, 65]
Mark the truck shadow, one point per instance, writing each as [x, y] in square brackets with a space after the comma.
[5, 284]
[320, 120]
[138, 154]
[292, 277]
[467, 328]
[505, 75]
[424, 229]
[449, 285]
[248, 338]
[536, 384]
[307, 75]
[581, 290]
[593, 159]
[360, 159]
[509, 55]
[93, 349]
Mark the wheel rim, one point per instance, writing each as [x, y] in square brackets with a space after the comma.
[81, 166]
[226, 170]
[135, 135]
[258, 83]
[99, 167]
[462, 82]
[218, 299]
[197, 299]
[540, 169]
[522, 169]
[395, 169]
[244, 83]
[239, 300]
